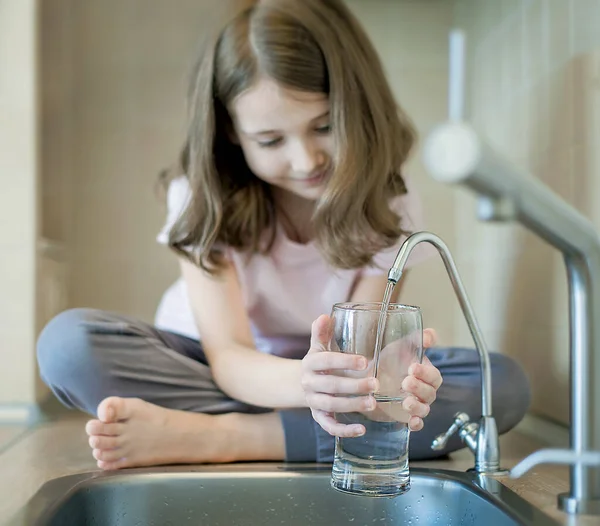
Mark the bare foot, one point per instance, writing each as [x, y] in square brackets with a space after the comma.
[130, 432]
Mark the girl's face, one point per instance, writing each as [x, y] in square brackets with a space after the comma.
[285, 136]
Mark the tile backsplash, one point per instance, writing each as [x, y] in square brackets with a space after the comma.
[534, 93]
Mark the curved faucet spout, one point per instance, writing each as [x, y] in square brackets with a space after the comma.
[395, 274]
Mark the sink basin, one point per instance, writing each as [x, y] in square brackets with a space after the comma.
[270, 494]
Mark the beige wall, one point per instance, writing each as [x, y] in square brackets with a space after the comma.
[534, 95]
[18, 203]
[128, 62]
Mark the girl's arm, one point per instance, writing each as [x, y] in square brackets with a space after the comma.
[240, 370]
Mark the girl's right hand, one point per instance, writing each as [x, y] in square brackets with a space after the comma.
[321, 384]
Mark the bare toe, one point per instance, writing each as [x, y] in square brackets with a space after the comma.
[107, 455]
[109, 466]
[103, 442]
[113, 409]
[96, 427]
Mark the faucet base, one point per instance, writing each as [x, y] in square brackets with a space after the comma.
[500, 472]
[487, 447]
[575, 506]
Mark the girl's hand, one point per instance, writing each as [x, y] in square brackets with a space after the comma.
[422, 383]
[321, 384]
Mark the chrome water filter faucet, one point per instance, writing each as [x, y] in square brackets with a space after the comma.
[481, 438]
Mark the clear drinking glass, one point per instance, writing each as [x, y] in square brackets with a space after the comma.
[376, 464]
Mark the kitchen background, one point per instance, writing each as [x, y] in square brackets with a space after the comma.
[92, 107]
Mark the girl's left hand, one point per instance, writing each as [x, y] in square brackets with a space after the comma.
[422, 383]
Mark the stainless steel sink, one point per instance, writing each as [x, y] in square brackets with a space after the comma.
[270, 494]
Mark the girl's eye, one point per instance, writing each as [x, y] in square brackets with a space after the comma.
[271, 143]
[324, 129]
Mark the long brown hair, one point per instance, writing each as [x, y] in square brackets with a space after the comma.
[308, 45]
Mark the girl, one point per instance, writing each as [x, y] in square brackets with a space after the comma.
[289, 198]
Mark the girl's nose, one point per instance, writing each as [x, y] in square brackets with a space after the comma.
[306, 158]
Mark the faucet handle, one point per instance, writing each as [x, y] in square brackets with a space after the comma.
[440, 441]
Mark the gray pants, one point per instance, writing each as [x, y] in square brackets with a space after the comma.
[86, 355]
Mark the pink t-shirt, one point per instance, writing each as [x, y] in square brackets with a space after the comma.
[286, 290]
